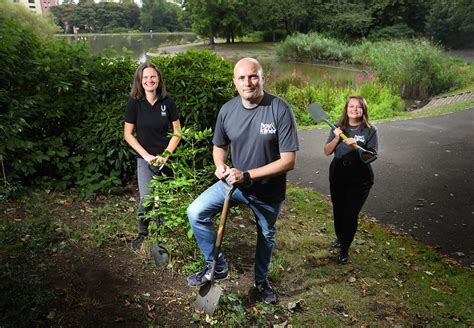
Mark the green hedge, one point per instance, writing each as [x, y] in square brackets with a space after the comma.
[61, 122]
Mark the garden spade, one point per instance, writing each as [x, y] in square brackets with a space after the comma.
[209, 294]
[319, 115]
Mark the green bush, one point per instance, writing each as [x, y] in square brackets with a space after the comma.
[383, 101]
[63, 109]
[200, 83]
[418, 68]
[171, 196]
[313, 47]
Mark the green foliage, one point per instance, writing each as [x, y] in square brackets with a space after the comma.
[200, 83]
[192, 173]
[41, 25]
[418, 68]
[160, 16]
[212, 18]
[383, 101]
[398, 31]
[313, 47]
[58, 123]
[446, 19]
[274, 35]
[103, 17]
[63, 109]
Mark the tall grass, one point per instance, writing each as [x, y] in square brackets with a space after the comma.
[417, 68]
[382, 99]
[312, 47]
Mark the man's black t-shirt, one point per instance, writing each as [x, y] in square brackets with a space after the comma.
[152, 123]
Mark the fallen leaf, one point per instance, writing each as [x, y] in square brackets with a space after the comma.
[51, 315]
[297, 306]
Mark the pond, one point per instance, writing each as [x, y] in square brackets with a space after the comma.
[143, 45]
[139, 44]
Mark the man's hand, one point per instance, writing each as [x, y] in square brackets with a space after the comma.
[222, 171]
[235, 176]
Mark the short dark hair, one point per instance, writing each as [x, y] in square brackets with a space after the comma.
[137, 88]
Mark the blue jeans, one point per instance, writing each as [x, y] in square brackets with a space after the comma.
[201, 214]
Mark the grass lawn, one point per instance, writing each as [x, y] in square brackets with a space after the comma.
[67, 262]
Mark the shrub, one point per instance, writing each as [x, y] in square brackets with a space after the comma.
[63, 109]
[200, 83]
[313, 47]
[172, 196]
[383, 101]
[418, 68]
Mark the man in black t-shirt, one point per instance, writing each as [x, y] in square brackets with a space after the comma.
[262, 131]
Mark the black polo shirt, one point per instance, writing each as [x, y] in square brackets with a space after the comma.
[152, 123]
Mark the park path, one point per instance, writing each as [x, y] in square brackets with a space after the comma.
[447, 100]
[423, 178]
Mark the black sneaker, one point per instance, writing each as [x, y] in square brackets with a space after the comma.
[137, 242]
[201, 278]
[343, 257]
[266, 292]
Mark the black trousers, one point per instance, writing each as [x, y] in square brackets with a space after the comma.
[350, 182]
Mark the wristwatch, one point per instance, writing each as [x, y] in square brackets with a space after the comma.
[247, 180]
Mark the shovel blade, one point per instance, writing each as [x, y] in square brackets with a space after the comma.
[317, 113]
[208, 298]
[367, 156]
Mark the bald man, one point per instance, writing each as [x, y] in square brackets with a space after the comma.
[262, 131]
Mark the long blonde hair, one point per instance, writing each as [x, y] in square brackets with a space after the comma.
[137, 88]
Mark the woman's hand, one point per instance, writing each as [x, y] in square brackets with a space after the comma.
[150, 159]
[337, 133]
[350, 141]
[161, 159]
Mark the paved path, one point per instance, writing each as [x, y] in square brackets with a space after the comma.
[423, 178]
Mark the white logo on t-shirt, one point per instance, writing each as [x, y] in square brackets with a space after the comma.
[163, 110]
[359, 138]
[267, 128]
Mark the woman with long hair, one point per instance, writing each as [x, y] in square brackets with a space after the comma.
[350, 179]
[152, 115]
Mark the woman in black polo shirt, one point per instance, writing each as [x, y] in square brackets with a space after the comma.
[153, 115]
[350, 179]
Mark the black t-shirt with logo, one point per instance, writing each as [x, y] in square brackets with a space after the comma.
[257, 137]
[153, 124]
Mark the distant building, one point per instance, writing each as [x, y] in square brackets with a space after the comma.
[46, 4]
[33, 5]
[37, 6]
